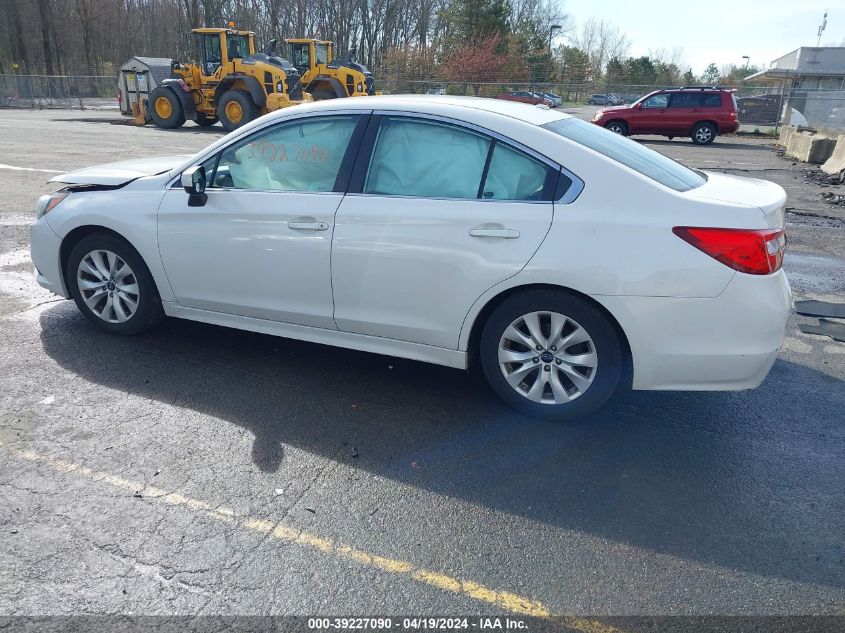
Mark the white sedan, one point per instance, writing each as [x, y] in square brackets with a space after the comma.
[561, 259]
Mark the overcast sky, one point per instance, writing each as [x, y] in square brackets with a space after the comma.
[719, 31]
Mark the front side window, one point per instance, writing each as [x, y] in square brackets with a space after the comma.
[514, 176]
[426, 159]
[302, 155]
[656, 101]
[638, 157]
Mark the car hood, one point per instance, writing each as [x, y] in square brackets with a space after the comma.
[767, 196]
[121, 172]
[612, 108]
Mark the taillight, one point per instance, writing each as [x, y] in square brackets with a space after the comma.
[732, 115]
[753, 251]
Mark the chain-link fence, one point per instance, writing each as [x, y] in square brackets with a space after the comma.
[758, 106]
[57, 91]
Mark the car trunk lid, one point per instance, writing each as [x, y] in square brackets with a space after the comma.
[766, 196]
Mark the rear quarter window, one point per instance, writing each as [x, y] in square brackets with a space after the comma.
[623, 150]
[712, 100]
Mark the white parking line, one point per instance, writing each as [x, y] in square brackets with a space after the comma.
[47, 171]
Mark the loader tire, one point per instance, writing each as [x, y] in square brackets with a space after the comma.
[165, 109]
[236, 108]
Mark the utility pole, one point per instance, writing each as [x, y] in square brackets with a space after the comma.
[821, 29]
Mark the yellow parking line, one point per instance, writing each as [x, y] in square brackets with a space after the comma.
[504, 600]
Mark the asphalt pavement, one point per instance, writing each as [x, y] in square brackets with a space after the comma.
[200, 470]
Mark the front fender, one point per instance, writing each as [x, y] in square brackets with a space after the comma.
[131, 212]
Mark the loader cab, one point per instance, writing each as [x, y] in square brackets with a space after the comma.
[216, 47]
[307, 54]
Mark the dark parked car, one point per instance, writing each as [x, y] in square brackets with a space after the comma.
[759, 110]
[700, 113]
[522, 96]
[608, 99]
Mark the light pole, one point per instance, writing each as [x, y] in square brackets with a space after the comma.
[552, 29]
[745, 73]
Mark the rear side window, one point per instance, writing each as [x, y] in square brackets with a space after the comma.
[514, 176]
[429, 159]
[685, 100]
[426, 159]
[630, 153]
[712, 100]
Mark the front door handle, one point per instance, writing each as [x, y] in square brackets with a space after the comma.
[307, 224]
[506, 234]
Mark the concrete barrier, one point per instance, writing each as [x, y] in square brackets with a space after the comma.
[836, 163]
[810, 148]
[786, 133]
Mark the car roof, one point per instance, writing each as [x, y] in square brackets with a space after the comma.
[532, 114]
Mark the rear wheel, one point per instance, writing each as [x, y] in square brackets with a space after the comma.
[205, 121]
[617, 127]
[703, 134]
[165, 109]
[236, 108]
[550, 354]
[112, 285]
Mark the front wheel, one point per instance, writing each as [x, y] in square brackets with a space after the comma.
[618, 127]
[703, 134]
[236, 108]
[112, 285]
[551, 354]
[165, 108]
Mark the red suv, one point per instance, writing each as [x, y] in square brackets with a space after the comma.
[700, 113]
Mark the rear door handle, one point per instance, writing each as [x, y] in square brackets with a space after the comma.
[307, 224]
[506, 234]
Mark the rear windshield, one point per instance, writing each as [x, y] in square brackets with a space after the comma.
[630, 153]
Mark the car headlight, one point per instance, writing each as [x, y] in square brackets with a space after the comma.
[47, 203]
[597, 115]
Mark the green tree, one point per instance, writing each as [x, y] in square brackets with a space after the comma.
[711, 75]
[689, 78]
[614, 72]
[640, 71]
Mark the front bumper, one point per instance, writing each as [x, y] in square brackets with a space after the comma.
[45, 247]
[726, 343]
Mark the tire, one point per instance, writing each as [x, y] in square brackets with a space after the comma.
[322, 94]
[236, 108]
[591, 102]
[617, 127]
[95, 277]
[165, 108]
[205, 121]
[703, 133]
[596, 344]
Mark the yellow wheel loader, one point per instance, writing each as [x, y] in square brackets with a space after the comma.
[230, 82]
[325, 77]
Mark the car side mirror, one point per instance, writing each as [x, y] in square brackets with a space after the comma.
[193, 182]
[639, 106]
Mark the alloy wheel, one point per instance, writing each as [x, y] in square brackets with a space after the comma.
[547, 357]
[703, 134]
[108, 286]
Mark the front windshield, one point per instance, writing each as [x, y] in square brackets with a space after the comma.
[238, 46]
[322, 54]
[634, 155]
